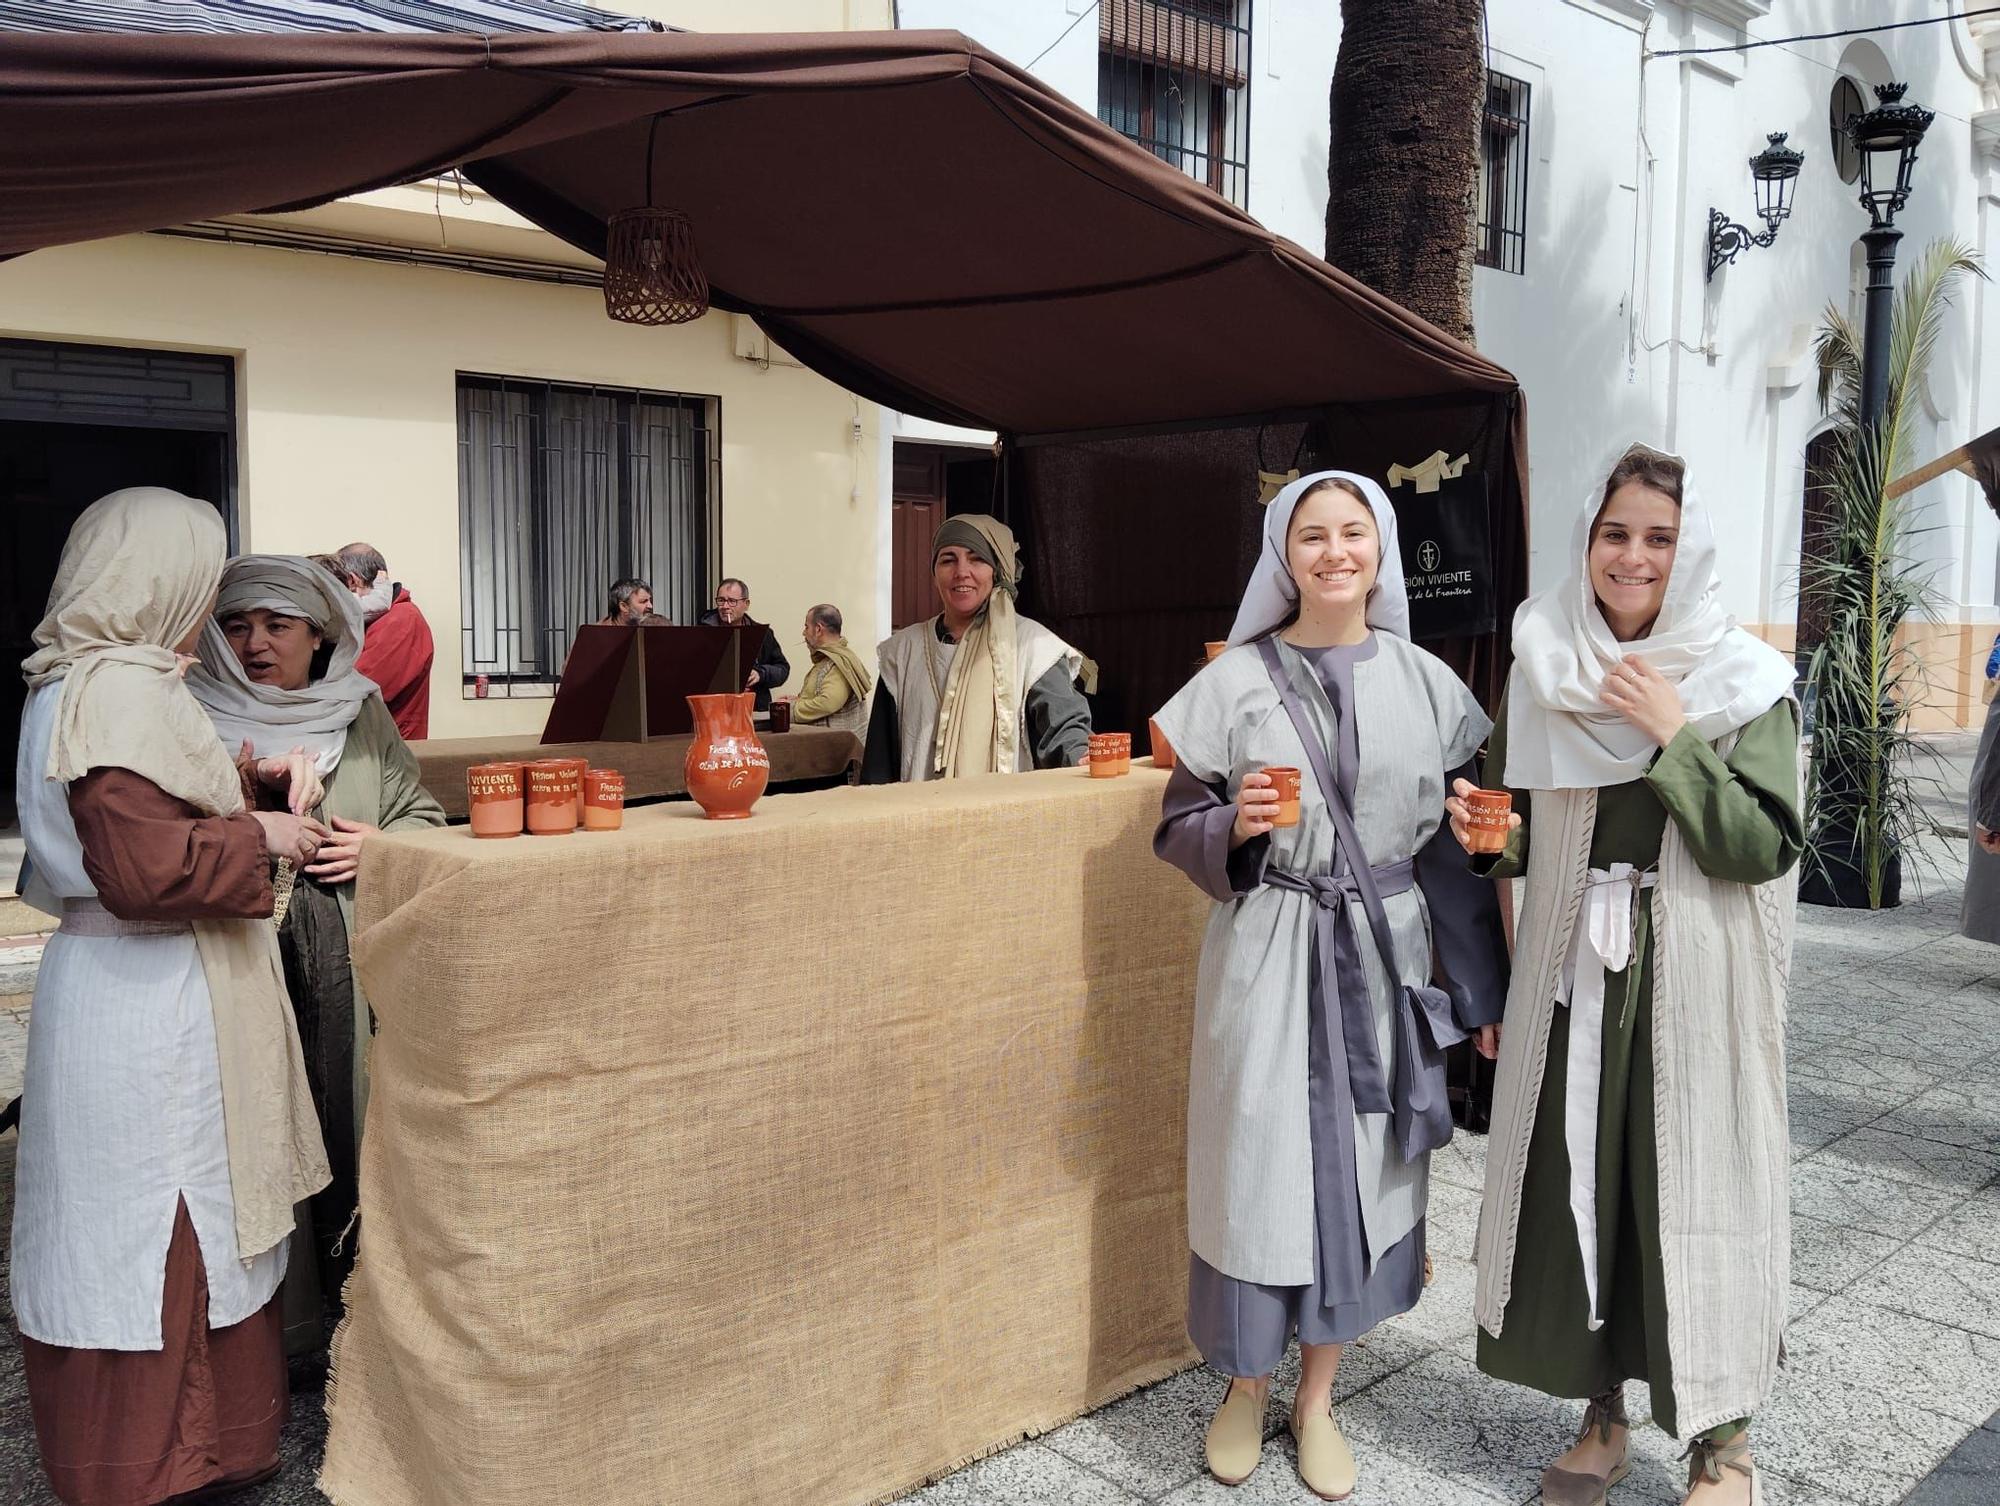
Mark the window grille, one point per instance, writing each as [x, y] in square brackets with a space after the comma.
[1174, 76]
[563, 490]
[1502, 239]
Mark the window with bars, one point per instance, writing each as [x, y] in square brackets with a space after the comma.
[563, 490]
[1174, 76]
[1503, 176]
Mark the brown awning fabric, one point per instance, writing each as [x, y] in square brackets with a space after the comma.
[910, 215]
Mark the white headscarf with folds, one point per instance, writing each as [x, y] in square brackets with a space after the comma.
[275, 720]
[1560, 735]
[1273, 596]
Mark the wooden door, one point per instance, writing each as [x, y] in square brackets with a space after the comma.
[918, 509]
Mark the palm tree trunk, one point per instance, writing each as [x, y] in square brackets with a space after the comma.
[1409, 96]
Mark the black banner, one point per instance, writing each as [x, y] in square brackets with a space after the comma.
[1447, 566]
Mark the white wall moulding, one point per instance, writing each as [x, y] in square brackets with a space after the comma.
[1736, 13]
[1630, 14]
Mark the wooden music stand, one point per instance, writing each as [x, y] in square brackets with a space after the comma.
[631, 684]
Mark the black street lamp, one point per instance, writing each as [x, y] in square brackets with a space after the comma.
[1886, 138]
[1774, 170]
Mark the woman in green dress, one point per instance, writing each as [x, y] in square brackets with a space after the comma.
[1636, 1215]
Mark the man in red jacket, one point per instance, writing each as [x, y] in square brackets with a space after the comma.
[397, 652]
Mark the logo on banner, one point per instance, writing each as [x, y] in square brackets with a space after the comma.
[1428, 555]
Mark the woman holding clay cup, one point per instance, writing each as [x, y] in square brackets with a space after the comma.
[1636, 1215]
[1316, 1082]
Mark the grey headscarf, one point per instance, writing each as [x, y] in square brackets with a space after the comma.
[273, 720]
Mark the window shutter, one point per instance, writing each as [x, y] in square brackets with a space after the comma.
[1192, 38]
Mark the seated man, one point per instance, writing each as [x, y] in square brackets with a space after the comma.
[836, 687]
[732, 609]
[1002, 686]
[631, 603]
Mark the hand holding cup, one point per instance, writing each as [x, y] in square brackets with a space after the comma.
[1475, 817]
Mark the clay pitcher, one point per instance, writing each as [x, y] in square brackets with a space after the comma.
[727, 767]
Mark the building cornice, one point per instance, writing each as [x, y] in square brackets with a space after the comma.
[1736, 13]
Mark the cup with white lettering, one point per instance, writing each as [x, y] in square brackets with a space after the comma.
[1286, 782]
[1486, 813]
[494, 799]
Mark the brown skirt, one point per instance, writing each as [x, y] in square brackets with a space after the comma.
[134, 1427]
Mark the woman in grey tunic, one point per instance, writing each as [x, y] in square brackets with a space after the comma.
[1979, 912]
[1316, 1088]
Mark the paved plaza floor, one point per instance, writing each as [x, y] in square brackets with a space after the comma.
[1893, 1380]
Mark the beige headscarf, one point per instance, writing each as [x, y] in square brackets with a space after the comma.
[838, 652]
[978, 724]
[138, 574]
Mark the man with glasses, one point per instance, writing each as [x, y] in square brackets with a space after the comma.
[732, 609]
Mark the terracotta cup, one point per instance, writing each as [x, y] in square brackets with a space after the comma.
[1213, 650]
[582, 767]
[1286, 782]
[495, 795]
[1110, 754]
[603, 800]
[1163, 751]
[781, 716]
[553, 790]
[1487, 812]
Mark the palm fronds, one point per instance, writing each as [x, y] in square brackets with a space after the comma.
[1867, 676]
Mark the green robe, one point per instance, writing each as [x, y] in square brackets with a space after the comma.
[1740, 819]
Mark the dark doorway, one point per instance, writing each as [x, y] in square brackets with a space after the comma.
[931, 483]
[1818, 536]
[49, 473]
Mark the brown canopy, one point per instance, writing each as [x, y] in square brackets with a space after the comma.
[908, 214]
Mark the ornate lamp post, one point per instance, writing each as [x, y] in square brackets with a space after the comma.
[1887, 138]
[1774, 170]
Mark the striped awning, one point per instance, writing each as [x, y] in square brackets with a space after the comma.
[199, 17]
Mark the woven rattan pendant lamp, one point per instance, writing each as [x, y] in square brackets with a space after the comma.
[651, 272]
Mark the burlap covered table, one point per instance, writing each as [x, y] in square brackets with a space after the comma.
[802, 755]
[791, 1159]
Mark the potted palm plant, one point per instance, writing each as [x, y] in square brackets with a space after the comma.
[1866, 676]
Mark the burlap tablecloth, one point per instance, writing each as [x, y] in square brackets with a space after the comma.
[650, 769]
[795, 1159]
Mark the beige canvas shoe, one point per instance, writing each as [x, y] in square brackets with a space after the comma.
[1576, 1487]
[1235, 1440]
[1326, 1463]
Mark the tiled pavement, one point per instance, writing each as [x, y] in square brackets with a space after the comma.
[1895, 1336]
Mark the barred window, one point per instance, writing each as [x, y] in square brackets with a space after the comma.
[563, 490]
[1502, 240]
[1174, 76]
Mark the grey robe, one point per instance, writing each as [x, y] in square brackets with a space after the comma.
[1979, 914]
[1251, 1182]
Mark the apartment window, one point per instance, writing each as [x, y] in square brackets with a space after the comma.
[1503, 176]
[561, 491]
[1174, 76]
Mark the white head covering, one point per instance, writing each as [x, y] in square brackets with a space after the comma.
[274, 720]
[1559, 734]
[1272, 595]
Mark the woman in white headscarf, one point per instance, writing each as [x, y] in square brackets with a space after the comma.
[977, 689]
[166, 1125]
[1635, 1224]
[276, 675]
[1316, 1087]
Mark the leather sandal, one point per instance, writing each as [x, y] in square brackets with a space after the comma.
[1234, 1443]
[1326, 1463]
[1707, 1461]
[1580, 1487]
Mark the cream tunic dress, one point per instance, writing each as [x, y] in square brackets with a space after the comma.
[121, 1114]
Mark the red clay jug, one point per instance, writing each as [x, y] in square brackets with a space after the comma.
[727, 767]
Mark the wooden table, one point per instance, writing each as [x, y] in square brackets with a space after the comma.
[802, 757]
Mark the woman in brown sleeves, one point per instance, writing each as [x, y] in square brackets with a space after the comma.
[166, 1128]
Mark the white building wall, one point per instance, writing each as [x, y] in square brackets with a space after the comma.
[1612, 328]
